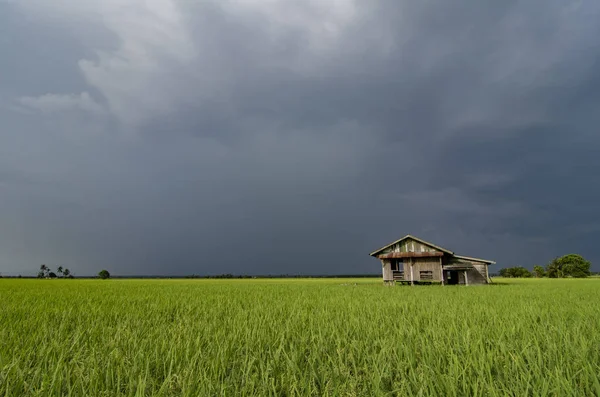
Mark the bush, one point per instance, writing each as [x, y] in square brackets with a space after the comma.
[515, 272]
[104, 274]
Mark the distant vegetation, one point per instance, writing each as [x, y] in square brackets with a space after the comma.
[297, 337]
[571, 265]
[46, 272]
[539, 271]
[517, 271]
[246, 276]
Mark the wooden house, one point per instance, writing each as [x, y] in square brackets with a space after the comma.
[412, 260]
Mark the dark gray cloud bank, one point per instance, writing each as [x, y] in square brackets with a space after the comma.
[273, 136]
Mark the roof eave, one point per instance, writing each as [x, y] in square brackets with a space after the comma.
[475, 259]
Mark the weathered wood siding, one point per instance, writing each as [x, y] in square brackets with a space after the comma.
[477, 275]
[409, 245]
[407, 269]
[387, 270]
[428, 264]
[423, 264]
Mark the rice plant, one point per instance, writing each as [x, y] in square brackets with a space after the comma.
[329, 337]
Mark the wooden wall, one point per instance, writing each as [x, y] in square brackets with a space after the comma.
[479, 274]
[423, 264]
[387, 269]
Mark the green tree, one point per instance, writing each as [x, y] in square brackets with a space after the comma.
[104, 274]
[515, 272]
[67, 273]
[554, 269]
[539, 271]
[52, 275]
[571, 265]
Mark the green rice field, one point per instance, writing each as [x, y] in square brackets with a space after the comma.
[313, 337]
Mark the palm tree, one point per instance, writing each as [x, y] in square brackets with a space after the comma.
[44, 270]
[66, 273]
[59, 271]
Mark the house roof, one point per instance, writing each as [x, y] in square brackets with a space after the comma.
[408, 236]
[468, 258]
[458, 267]
[374, 253]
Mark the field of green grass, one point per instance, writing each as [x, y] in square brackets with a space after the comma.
[321, 337]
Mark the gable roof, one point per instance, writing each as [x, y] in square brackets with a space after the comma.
[408, 236]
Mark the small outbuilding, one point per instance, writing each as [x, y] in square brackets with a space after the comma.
[411, 260]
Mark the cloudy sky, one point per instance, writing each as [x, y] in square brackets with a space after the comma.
[272, 136]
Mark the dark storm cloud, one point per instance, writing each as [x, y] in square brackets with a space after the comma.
[286, 137]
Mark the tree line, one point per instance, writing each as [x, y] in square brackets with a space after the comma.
[571, 265]
[46, 272]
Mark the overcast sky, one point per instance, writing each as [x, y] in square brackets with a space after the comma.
[265, 136]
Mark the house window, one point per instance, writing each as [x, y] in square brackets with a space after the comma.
[397, 265]
[426, 275]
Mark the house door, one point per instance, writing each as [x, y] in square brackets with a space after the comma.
[451, 277]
